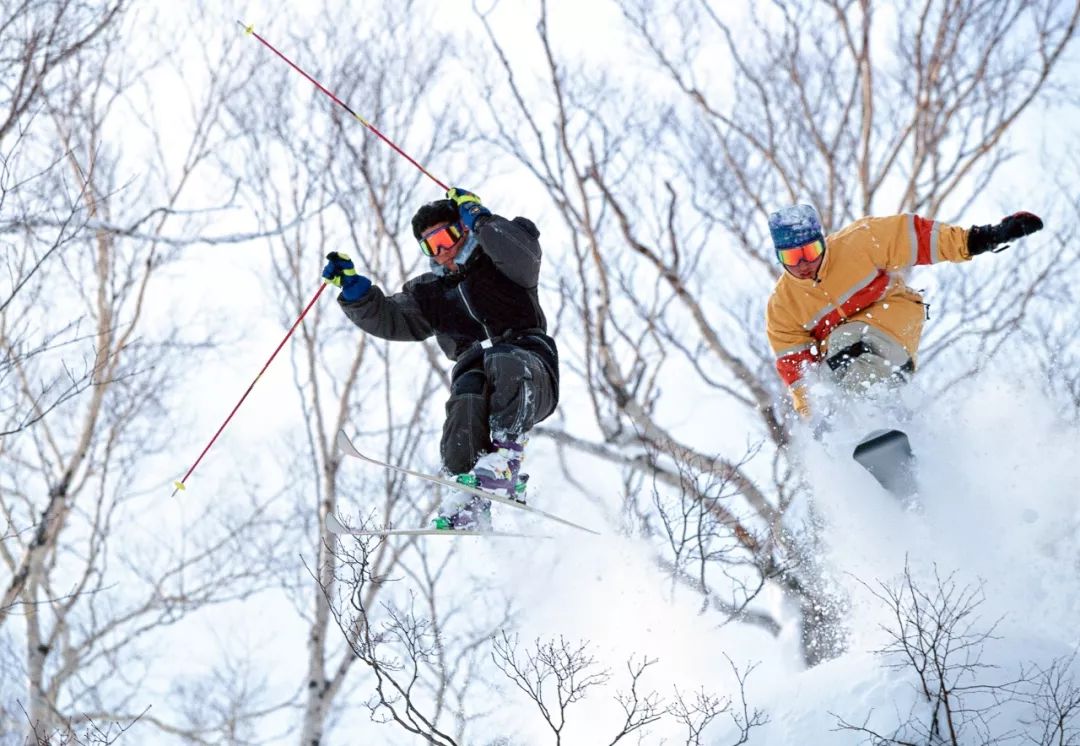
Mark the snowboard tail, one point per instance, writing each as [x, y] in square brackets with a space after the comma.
[887, 455]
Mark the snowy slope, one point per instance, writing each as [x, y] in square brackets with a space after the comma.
[1000, 508]
[1000, 514]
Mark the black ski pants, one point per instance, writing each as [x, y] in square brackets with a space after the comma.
[503, 389]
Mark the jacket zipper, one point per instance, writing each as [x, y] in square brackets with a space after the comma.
[461, 291]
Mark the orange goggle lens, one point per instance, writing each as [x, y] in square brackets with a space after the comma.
[440, 239]
[807, 252]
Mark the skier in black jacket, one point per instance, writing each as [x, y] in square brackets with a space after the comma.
[480, 302]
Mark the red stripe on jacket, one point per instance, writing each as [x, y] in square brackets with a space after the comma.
[924, 229]
[872, 293]
[790, 367]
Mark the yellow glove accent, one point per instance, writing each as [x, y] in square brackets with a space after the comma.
[461, 196]
[336, 280]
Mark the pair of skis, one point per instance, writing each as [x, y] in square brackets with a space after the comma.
[335, 526]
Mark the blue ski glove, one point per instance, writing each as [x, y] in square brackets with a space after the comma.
[468, 205]
[340, 271]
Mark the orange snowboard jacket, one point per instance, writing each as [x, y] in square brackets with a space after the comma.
[859, 280]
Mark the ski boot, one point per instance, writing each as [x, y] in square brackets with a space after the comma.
[464, 512]
[499, 472]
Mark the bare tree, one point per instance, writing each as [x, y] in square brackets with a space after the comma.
[422, 649]
[1055, 705]
[92, 734]
[320, 182]
[97, 573]
[406, 652]
[556, 674]
[938, 634]
[697, 713]
[664, 187]
[38, 41]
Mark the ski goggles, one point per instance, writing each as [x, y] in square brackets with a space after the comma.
[440, 239]
[808, 252]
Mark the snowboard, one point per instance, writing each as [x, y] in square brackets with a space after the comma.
[887, 455]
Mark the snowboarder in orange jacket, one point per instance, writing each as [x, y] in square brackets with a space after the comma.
[841, 300]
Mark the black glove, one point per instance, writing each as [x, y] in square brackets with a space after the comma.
[991, 237]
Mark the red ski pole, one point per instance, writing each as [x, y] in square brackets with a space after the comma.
[251, 30]
[179, 485]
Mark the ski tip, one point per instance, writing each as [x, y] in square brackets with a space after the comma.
[345, 444]
[334, 525]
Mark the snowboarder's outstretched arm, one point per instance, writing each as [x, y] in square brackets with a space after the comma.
[511, 244]
[898, 242]
[901, 241]
[396, 317]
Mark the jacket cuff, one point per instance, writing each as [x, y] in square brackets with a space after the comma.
[980, 239]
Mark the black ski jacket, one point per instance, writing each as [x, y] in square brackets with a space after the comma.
[491, 299]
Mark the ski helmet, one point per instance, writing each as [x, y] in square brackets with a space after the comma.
[796, 225]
